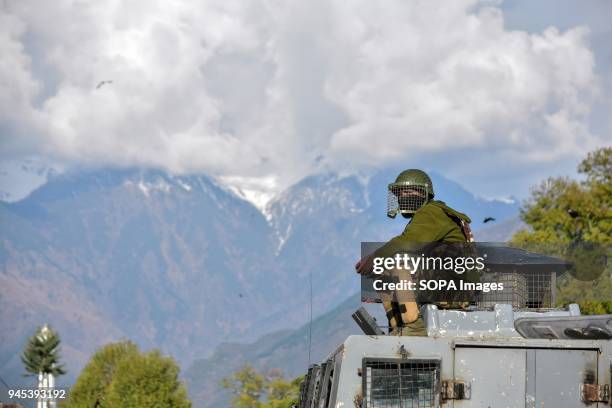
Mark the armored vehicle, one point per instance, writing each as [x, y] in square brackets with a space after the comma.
[513, 352]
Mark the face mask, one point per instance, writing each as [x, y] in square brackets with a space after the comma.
[410, 203]
[406, 199]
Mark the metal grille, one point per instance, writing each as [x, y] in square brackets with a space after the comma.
[401, 383]
[316, 391]
[313, 380]
[303, 389]
[317, 386]
[327, 381]
[307, 387]
[541, 288]
[534, 290]
[514, 293]
[406, 199]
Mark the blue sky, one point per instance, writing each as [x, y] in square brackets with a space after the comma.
[495, 95]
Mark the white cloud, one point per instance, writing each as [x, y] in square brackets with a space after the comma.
[274, 89]
[461, 80]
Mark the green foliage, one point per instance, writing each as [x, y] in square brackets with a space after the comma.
[41, 353]
[119, 375]
[247, 385]
[598, 166]
[91, 387]
[284, 394]
[147, 380]
[565, 214]
[252, 389]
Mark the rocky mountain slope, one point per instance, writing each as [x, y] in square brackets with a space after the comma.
[182, 263]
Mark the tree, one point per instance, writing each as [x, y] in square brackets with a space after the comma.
[41, 359]
[41, 354]
[249, 388]
[147, 380]
[119, 375]
[565, 214]
[252, 389]
[283, 393]
[92, 385]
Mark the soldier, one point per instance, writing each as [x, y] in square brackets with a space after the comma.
[411, 195]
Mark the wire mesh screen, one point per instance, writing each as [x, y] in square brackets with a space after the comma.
[534, 290]
[401, 384]
[541, 290]
[392, 204]
[406, 199]
[514, 293]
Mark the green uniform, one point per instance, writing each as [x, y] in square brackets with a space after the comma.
[433, 222]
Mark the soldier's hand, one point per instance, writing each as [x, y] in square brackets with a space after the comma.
[364, 265]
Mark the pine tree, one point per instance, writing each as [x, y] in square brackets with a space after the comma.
[41, 354]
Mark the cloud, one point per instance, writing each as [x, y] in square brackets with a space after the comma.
[456, 80]
[274, 90]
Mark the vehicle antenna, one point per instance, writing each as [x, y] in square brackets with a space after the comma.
[310, 324]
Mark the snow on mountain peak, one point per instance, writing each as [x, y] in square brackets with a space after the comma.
[18, 178]
[147, 187]
[183, 184]
[259, 191]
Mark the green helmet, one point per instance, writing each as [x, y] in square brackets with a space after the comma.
[411, 190]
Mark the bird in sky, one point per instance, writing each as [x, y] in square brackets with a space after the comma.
[102, 83]
[487, 219]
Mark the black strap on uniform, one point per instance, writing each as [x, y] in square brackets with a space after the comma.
[396, 311]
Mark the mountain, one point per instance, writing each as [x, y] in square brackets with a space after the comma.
[19, 177]
[182, 263]
[301, 217]
[159, 259]
[287, 349]
[500, 231]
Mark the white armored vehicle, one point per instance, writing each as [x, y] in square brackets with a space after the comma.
[513, 352]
